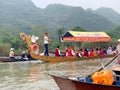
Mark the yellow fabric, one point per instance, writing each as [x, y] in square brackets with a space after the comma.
[86, 37]
[88, 34]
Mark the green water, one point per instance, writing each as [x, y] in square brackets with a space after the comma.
[33, 75]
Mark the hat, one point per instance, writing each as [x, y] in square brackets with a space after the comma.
[118, 40]
[109, 48]
[11, 49]
[34, 39]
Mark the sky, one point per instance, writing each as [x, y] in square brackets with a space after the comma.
[93, 4]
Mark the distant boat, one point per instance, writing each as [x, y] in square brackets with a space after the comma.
[7, 59]
[81, 83]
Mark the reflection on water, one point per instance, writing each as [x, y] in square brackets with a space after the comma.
[33, 75]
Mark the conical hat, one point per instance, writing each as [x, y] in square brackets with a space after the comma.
[34, 39]
[11, 49]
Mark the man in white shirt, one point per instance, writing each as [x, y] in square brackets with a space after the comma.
[46, 41]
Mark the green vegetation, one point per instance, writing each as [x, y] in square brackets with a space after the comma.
[18, 16]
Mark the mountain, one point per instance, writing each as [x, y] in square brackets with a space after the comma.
[67, 16]
[18, 14]
[110, 14]
[22, 15]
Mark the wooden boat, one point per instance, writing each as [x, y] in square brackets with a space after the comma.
[27, 39]
[60, 59]
[116, 69]
[81, 83]
[7, 59]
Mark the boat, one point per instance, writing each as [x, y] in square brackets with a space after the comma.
[81, 83]
[16, 59]
[27, 39]
[61, 59]
[116, 68]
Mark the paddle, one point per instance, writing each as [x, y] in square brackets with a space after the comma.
[103, 66]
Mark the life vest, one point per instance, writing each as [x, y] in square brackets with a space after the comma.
[91, 53]
[101, 53]
[35, 48]
[70, 53]
[85, 54]
[57, 52]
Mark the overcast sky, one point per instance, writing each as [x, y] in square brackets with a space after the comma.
[94, 4]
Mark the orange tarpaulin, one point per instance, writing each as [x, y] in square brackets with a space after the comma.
[76, 36]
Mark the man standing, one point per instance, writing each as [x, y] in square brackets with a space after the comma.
[46, 41]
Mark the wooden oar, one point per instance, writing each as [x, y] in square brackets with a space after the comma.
[104, 66]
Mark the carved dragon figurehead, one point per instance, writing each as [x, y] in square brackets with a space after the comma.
[27, 39]
[30, 40]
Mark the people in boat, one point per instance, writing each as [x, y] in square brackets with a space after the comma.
[80, 53]
[96, 51]
[118, 51]
[66, 49]
[66, 53]
[12, 53]
[109, 51]
[57, 51]
[71, 52]
[91, 53]
[100, 52]
[46, 41]
[104, 51]
[85, 54]
[26, 55]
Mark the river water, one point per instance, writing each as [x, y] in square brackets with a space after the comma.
[33, 75]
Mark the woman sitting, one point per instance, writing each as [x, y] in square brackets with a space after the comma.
[57, 52]
[100, 53]
[91, 53]
[85, 54]
[71, 52]
[12, 53]
[80, 53]
[109, 51]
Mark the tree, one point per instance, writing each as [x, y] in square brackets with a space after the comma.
[60, 32]
[39, 30]
[78, 28]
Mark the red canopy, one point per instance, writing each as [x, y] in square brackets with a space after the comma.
[76, 36]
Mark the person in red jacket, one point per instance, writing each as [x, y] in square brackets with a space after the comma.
[71, 52]
[91, 53]
[57, 52]
[85, 53]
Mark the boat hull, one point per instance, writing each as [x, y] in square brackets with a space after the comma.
[116, 69]
[68, 84]
[61, 59]
[7, 59]
[116, 72]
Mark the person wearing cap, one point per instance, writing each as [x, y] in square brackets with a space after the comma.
[118, 51]
[12, 53]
